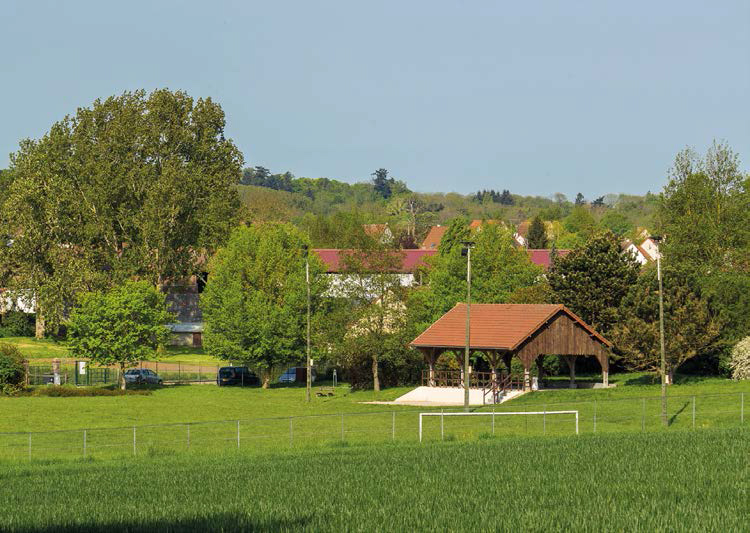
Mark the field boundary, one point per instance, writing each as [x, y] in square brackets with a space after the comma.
[625, 415]
[493, 414]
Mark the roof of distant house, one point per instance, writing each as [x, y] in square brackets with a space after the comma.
[496, 326]
[333, 258]
[543, 258]
[413, 259]
[477, 223]
[434, 236]
[523, 228]
[375, 230]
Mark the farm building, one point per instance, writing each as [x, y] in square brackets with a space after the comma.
[504, 331]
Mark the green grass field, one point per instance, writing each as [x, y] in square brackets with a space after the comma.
[681, 481]
[189, 417]
[45, 349]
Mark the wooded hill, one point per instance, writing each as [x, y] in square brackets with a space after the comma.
[312, 203]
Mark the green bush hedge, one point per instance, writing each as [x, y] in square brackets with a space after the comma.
[12, 369]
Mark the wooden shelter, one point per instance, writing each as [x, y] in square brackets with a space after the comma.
[502, 331]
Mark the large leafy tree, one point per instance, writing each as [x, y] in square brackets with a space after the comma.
[703, 211]
[457, 232]
[136, 185]
[121, 326]
[704, 214]
[254, 304]
[592, 280]
[690, 327]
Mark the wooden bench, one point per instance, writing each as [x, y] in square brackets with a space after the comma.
[325, 391]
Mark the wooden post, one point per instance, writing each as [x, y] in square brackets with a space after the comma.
[526, 374]
[571, 360]
[431, 363]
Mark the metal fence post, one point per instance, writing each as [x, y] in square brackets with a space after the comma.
[393, 425]
[238, 434]
[342, 426]
[134, 445]
[544, 420]
[493, 419]
[643, 414]
[291, 433]
[84, 444]
[442, 417]
[693, 412]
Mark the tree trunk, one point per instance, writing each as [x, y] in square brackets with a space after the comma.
[375, 380]
[39, 329]
[267, 380]
[122, 376]
[670, 377]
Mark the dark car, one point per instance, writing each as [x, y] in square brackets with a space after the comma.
[236, 375]
[142, 375]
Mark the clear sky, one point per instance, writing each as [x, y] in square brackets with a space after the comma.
[535, 97]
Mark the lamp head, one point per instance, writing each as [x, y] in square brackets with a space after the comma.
[466, 246]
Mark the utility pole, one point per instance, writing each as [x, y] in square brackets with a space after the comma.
[467, 252]
[657, 240]
[306, 252]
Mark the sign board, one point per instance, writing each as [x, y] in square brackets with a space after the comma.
[81, 367]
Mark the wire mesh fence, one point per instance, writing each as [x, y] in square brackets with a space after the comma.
[402, 425]
[86, 375]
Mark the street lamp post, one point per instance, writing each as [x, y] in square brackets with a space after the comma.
[657, 240]
[309, 362]
[467, 252]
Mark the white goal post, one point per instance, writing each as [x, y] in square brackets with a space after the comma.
[493, 415]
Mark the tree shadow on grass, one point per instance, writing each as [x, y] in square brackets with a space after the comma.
[215, 522]
[673, 418]
[645, 379]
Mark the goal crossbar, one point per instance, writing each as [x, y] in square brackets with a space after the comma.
[494, 414]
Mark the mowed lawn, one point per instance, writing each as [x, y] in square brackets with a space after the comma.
[681, 481]
[186, 418]
[196, 403]
[178, 404]
[46, 349]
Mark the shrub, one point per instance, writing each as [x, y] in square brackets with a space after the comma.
[740, 361]
[17, 324]
[12, 369]
[60, 391]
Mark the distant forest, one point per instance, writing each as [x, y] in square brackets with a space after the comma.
[331, 210]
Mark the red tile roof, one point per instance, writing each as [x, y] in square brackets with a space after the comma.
[435, 235]
[411, 259]
[523, 228]
[543, 258]
[494, 326]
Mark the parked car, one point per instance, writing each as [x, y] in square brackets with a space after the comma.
[142, 375]
[296, 374]
[236, 375]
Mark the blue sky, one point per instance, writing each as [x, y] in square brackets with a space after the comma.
[535, 97]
